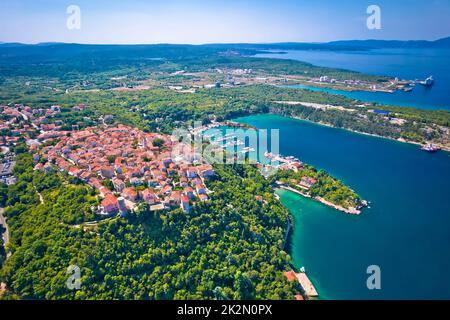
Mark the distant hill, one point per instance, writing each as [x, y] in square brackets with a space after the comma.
[11, 44]
[283, 46]
[63, 51]
[444, 42]
[333, 45]
[376, 44]
[341, 45]
[58, 58]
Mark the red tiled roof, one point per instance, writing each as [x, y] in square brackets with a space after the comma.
[148, 194]
[130, 193]
[290, 275]
[109, 200]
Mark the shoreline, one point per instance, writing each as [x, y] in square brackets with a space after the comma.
[314, 86]
[443, 147]
[291, 220]
[352, 211]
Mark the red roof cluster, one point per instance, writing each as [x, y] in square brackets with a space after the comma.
[128, 158]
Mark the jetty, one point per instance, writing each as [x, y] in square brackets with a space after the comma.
[286, 187]
[306, 284]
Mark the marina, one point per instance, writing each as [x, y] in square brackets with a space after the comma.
[430, 148]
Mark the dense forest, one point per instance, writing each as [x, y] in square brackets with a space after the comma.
[75, 61]
[163, 109]
[226, 248]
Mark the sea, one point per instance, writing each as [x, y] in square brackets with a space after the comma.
[405, 232]
[409, 64]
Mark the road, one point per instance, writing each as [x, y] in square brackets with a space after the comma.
[41, 199]
[25, 117]
[5, 226]
[4, 150]
[5, 242]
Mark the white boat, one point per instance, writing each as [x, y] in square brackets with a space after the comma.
[247, 149]
[430, 148]
[428, 82]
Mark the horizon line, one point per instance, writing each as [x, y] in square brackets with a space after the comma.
[216, 43]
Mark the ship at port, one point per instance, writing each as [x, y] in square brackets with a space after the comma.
[428, 82]
[430, 148]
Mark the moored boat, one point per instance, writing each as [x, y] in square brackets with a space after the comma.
[430, 148]
[428, 82]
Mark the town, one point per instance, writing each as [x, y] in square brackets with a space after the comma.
[135, 166]
[125, 165]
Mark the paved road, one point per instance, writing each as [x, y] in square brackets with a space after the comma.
[5, 226]
[41, 199]
[4, 150]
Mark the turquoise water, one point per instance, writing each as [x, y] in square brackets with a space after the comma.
[406, 231]
[398, 98]
[408, 64]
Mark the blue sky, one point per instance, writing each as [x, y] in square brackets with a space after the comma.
[224, 21]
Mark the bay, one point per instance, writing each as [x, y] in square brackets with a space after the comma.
[406, 231]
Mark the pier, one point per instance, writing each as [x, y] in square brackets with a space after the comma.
[308, 288]
[286, 187]
[306, 285]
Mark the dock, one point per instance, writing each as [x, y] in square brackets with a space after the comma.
[286, 187]
[306, 285]
[308, 288]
